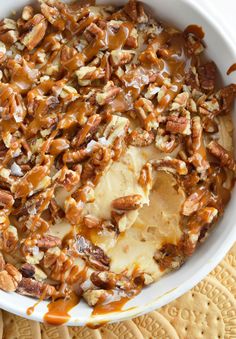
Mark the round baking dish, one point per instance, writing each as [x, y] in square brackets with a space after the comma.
[222, 50]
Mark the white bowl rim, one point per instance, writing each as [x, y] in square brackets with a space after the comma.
[16, 308]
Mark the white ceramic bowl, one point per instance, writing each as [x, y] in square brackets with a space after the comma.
[222, 50]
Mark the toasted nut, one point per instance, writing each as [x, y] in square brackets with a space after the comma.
[195, 201]
[2, 262]
[227, 96]
[6, 199]
[95, 297]
[180, 100]
[48, 241]
[136, 11]
[140, 138]
[8, 31]
[91, 221]
[179, 125]
[226, 159]
[10, 278]
[94, 255]
[35, 31]
[207, 76]
[87, 130]
[33, 288]
[165, 142]
[68, 178]
[199, 163]
[27, 270]
[109, 93]
[128, 203]
[196, 133]
[27, 13]
[53, 15]
[121, 57]
[168, 164]
[204, 216]
[145, 178]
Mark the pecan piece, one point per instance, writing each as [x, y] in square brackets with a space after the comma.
[35, 30]
[53, 15]
[48, 241]
[168, 164]
[94, 255]
[109, 93]
[91, 221]
[128, 202]
[227, 96]
[145, 111]
[8, 31]
[196, 133]
[34, 288]
[27, 13]
[10, 278]
[140, 138]
[6, 199]
[207, 74]
[196, 200]
[226, 159]
[2, 262]
[136, 11]
[145, 178]
[95, 297]
[87, 130]
[165, 142]
[121, 57]
[179, 124]
[27, 270]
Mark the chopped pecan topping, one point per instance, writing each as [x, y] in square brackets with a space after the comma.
[207, 76]
[6, 199]
[91, 222]
[34, 288]
[10, 278]
[168, 164]
[179, 125]
[226, 159]
[227, 96]
[87, 130]
[35, 30]
[8, 31]
[198, 199]
[27, 270]
[95, 297]
[136, 11]
[109, 93]
[166, 143]
[48, 241]
[94, 255]
[140, 138]
[27, 13]
[145, 178]
[128, 203]
[196, 134]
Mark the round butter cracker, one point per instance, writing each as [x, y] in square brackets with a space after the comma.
[207, 311]
[155, 325]
[54, 332]
[83, 333]
[124, 330]
[15, 327]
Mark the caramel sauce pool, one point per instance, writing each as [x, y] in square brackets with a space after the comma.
[58, 311]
